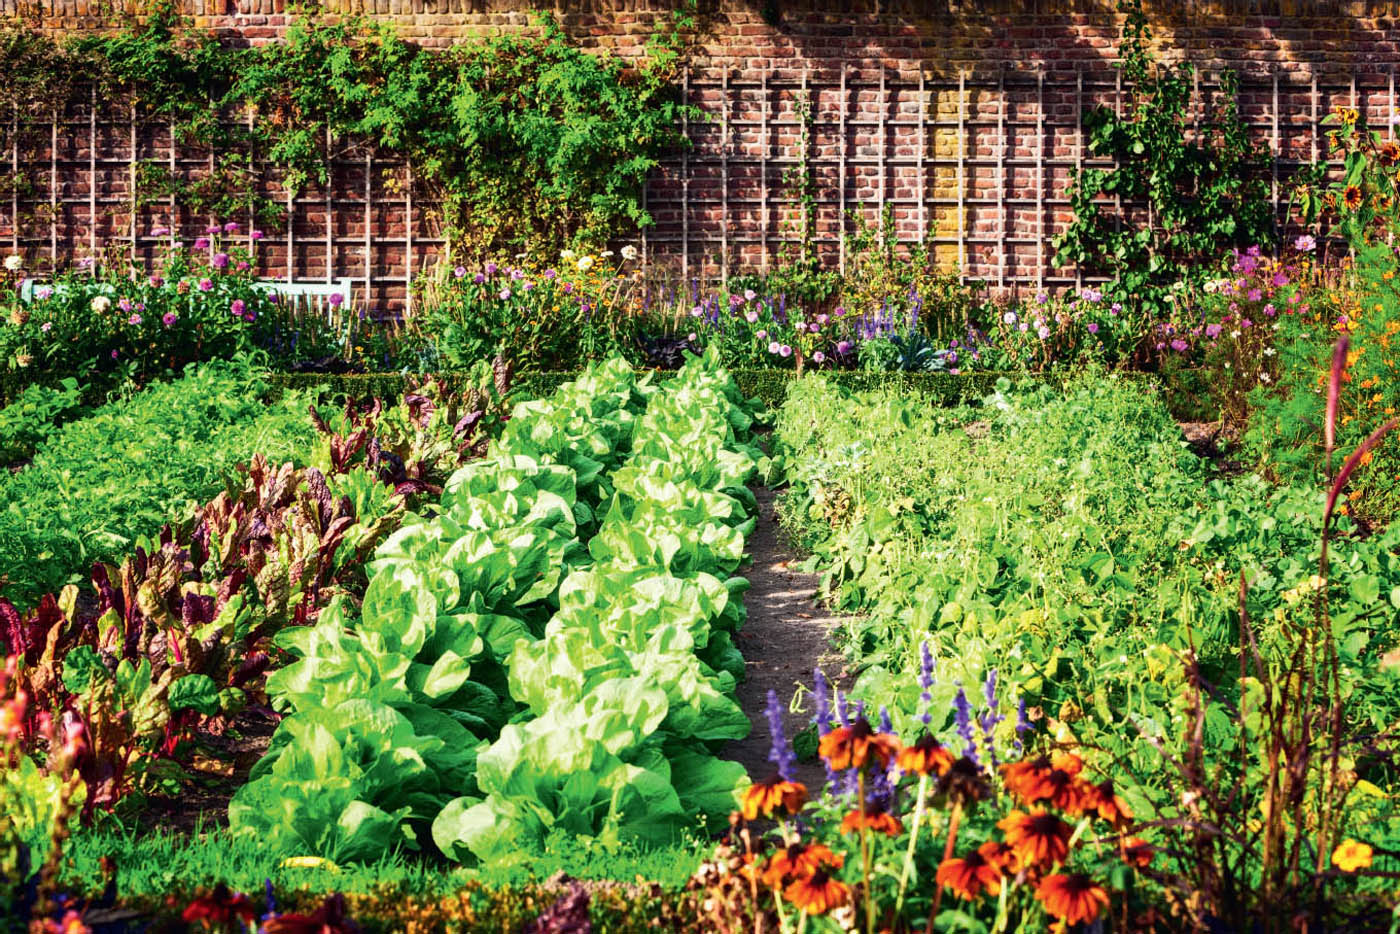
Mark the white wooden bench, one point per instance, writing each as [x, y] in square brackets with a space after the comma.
[300, 298]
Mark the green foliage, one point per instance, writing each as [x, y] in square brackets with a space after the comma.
[501, 682]
[525, 142]
[34, 415]
[102, 482]
[1201, 182]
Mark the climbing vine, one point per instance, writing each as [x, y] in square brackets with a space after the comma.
[523, 143]
[1202, 184]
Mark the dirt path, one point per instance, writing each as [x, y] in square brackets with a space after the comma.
[786, 636]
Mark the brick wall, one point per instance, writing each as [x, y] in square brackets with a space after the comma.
[963, 118]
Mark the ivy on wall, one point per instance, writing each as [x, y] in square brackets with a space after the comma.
[524, 142]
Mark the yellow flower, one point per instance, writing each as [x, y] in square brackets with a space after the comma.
[1350, 856]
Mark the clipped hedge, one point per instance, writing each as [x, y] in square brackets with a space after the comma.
[769, 386]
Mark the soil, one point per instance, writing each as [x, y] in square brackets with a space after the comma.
[219, 768]
[787, 635]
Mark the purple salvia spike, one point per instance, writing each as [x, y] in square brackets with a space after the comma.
[962, 716]
[780, 753]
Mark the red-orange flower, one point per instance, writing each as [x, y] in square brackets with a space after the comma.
[1001, 856]
[1074, 899]
[331, 918]
[927, 756]
[1138, 852]
[1023, 778]
[817, 893]
[1056, 782]
[1110, 807]
[1039, 838]
[969, 876]
[873, 817]
[857, 744]
[799, 859]
[763, 798]
[220, 907]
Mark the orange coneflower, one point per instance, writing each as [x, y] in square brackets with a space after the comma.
[1138, 852]
[817, 893]
[1024, 777]
[965, 782]
[968, 876]
[1074, 899]
[1001, 856]
[874, 817]
[1057, 782]
[767, 796]
[1351, 197]
[1039, 838]
[799, 859]
[926, 756]
[857, 744]
[1110, 807]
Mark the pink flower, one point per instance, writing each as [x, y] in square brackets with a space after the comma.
[774, 347]
[255, 235]
[242, 266]
[460, 272]
[134, 320]
[169, 318]
[231, 227]
[156, 282]
[237, 307]
[1179, 345]
[205, 285]
[818, 357]
[751, 316]
[785, 351]
[219, 261]
[336, 299]
[46, 327]
[1093, 328]
[504, 294]
[201, 243]
[160, 231]
[1305, 244]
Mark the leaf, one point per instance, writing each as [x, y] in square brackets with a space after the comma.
[195, 692]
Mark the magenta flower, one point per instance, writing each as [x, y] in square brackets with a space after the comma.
[1280, 278]
[134, 320]
[1255, 295]
[460, 272]
[160, 231]
[843, 347]
[219, 260]
[255, 235]
[1179, 345]
[785, 351]
[818, 357]
[1093, 328]
[213, 229]
[124, 304]
[336, 299]
[479, 278]
[156, 282]
[237, 307]
[169, 318]
[114, 355]
[231, 227]
[491, 269]
[1213, 331]
[205, 285]
[201, 243]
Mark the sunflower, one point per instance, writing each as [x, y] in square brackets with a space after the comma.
[926, 756]
[1138, 852]
[1352, 197]
[1348, 115]
[799, 859]
[817, 893]
[1389, 154]
[1039, 838]
[765, 797]
[857, 744]
[969, 876]
[1074, 899]
[1350, 856]
[1110, 807]
[875, 818]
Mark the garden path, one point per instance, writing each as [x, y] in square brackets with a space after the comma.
[788, 633]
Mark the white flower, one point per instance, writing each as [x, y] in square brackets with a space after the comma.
[629, 253]
[13, 262]
[567, 255]
[1269, 351]
[606, 253]
[1235, 333]
[585, 263]
[101, 304]
[1009, 317]
[1264, 377]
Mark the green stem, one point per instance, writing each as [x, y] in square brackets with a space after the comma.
[865, 856]
[953, 823]
[913, 841]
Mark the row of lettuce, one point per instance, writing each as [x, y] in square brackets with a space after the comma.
[548, 650]
[1064, 545]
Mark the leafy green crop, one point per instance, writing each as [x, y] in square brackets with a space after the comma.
[99, 484]
[518, 682]
[34, 415]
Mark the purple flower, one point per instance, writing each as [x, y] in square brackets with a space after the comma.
[504, 294]
[785, 351]
[1280, 278]
[1114, 308]
[134, 319]
[169, 318]
[761, 335]
[1093, 328]
[1023, 723]
[461, 272]
[839, 312]
[1305, 244]
[1041, 298]
[1042, 332]
[124, 304]
[925, 683]
[479, 278]
[491, 269]
[989, 718]
[1091, 295]
[201, 243]
[1179, 345]
[160, 231]
[548, 274]
[962, 716]
[1213, 331]
[843, 347]
[237, 307]
[336, 299]
[779, 753]
[43, 292]
[250, 316]
[1254, 295]
[517, 274]
[219, 261]
[1270, 310]
[822, 694]
[818, 357]
[213, 229]
[1246, 323]
[255, 235]
[231, 227]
